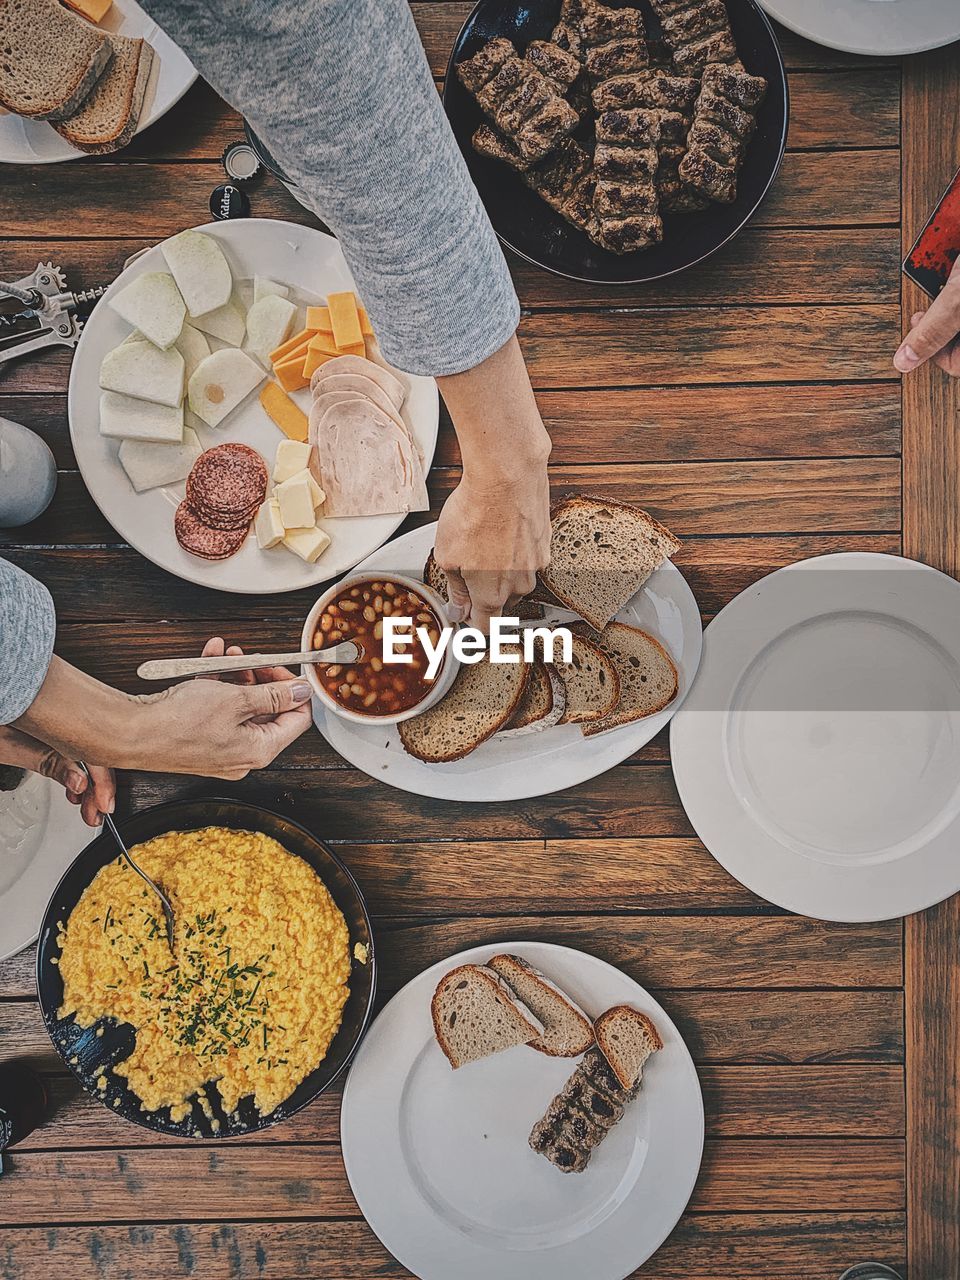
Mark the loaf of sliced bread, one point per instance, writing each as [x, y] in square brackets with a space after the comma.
[568, 1031]
[484, 696]
[626, 1037]
[435, 577]
[50, 58]
[601, 553]
[648, 677]
[590, 681]
[475, 1015]
[108, 119]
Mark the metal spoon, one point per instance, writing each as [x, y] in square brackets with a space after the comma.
[345, 653]
[164, 900]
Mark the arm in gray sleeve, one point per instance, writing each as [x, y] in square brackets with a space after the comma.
[341, 93]
[27, 628]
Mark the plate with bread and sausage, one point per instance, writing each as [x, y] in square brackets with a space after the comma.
[525, 1111]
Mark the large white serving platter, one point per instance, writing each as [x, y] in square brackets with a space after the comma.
[439, 1162]
[533, 764]
[882, 28]
[36, 142]
[312, 264]
[818, 755]
[41, 833]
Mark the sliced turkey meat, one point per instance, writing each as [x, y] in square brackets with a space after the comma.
[388, 382]
[368, 464]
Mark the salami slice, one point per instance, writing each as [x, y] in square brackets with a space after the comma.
[227, 485]
[200, 539]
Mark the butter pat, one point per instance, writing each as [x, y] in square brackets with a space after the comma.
[268, 525]
[292, 456]
[296, 501]
[309, 544]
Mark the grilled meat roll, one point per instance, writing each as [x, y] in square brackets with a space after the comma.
[565, 180]
[582, 1114]
[723, 123]
[524, 104]
[697, 33]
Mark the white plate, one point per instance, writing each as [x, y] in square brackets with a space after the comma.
[536, 763]
[818, 755]
[40, 835]
[313, 265]
[439, 1163]
[36, 142]
[878, 27]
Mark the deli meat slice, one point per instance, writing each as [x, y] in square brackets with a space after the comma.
[388, 382]
[368, 465]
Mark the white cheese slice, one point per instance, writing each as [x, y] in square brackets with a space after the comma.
[269, 323]
[193, 346]
[292, 456]
[268, 525]
[296, 501]
[201, 271]
[153, 304]
[220, 383]
[308, 544]
[264, 288]
[141, 370]
[151, 465]
[226, 323]
[123, 418]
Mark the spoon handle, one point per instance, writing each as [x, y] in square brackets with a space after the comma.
[176, 668]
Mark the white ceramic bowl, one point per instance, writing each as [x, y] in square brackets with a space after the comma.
[441, 684]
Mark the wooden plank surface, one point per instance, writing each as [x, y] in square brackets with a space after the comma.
[931, 533]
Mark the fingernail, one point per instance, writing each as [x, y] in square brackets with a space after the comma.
[906, 359]
[301, 691]
[111, 805]
[76, 781]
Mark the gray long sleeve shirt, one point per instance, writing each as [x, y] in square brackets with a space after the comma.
[341, 94]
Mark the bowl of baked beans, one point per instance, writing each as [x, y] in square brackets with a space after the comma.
[373, 689]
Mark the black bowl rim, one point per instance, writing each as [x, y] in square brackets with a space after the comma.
[282, 1113]
[673, 271]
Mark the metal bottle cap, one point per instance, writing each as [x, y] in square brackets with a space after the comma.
[228, 201]
[241, 162]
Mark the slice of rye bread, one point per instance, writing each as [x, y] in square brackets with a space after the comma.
[482, 699]
[568, 1031]
[108, 119]
[601, 553]
[50, 58]
[435, 577]
[626, 1038]
[542, 704]
[648, 676]
[590, 681]
[475, 1014]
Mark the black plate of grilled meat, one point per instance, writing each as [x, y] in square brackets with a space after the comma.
[618, 143]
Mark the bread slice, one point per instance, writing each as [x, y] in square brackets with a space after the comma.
[435, 577]
[475, 1015]
[648, 677]
[626, 1038]
[50, 58]
[542, 705]
[484, 696]
[108, 119]
[601, 553]
[568, 1031]
[590, 681]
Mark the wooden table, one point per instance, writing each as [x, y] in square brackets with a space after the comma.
[753, 406]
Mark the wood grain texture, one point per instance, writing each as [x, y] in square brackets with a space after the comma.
[308, 1181]
[740, 1102]
[931, 533]
[710, 1246]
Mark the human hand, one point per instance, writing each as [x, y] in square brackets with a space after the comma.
[95, 796]
[222, 727]
[935, 333]
[492, 537]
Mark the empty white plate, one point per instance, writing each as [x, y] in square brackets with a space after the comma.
[818, 754]
[880, 27]
[439, 1162]
[41, 833]
[36, 142]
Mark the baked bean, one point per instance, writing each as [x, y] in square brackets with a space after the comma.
[334, 670]
[369, 614]
[348, 606]
[326, 622]
[370, 699]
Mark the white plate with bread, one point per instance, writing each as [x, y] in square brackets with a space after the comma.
[159, 383]
[524, 1111]
[818, 756]
[84, 86]
[507, 732]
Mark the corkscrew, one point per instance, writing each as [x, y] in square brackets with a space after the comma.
[39, 311]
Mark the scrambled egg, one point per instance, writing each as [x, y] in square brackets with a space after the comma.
[255, 990]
